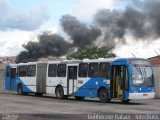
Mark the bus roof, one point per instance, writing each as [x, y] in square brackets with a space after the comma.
[79, 61]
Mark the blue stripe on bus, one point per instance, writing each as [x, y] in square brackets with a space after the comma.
[90, 88]
[25, 88]
[15, 85]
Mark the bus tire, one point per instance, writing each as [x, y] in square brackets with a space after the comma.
[126, 101]
[39, 94]
[103, 95]
[60, 92]
[20, 89]
[79, 98]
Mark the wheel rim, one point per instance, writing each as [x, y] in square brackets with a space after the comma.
[20, 90]
[103, 95]
[59, 93]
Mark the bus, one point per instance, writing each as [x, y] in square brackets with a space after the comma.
[122, 79]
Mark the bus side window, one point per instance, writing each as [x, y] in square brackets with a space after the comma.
[22, 71]
[72, 72]
[93, 70]
[31, 70]
[61, 71]
[104, 70]
[52, 70]
[7, 72]
[83, 70]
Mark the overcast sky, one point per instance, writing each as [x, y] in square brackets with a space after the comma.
[22, 20]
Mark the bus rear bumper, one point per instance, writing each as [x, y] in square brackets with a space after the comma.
[135, 96]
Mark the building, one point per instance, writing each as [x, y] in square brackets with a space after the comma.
[155, 60]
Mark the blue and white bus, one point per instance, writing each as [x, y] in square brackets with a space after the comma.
[123, 79]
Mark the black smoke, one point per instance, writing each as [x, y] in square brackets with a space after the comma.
[80, 33]
[81, 36]
[48, 45]
[139, 19]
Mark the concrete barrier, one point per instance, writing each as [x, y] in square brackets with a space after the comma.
[156, 70]
[2, 84]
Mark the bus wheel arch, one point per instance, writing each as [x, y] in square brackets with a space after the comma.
[59, 91]
[103, 94]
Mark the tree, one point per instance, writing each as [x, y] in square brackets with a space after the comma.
[92, 53]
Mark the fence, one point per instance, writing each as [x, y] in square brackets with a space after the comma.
[156, 70]
[1, 79]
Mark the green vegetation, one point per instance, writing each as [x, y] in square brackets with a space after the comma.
[92, 53]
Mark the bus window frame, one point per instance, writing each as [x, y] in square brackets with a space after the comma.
[59, 74]
[20, 71]
[96, 73]
[55, 70]
[32, 70]
[107, 70]
[80, 71]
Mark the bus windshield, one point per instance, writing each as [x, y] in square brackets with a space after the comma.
[142, 75]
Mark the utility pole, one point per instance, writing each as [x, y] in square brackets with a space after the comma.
[133, 55]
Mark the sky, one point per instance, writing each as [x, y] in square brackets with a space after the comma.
[22, 20]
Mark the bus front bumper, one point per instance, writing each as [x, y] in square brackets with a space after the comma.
[135, 96]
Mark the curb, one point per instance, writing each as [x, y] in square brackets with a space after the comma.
[7, 92]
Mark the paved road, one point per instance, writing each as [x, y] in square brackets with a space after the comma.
[48, 107]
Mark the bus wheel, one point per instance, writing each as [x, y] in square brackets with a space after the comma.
[60, 92]
[79, 98]
[39, 94]
[20, 90]
[126, 101]
[103, 95]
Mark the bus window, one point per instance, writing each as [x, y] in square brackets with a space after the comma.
[61, 71]
[72, 72]
[93, 70]
[83, 70]
[31, 70]
[104, 70]
[22, 71]
[7, 71]
[52, 70]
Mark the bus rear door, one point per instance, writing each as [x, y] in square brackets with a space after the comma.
[41, 78]
[72, 79]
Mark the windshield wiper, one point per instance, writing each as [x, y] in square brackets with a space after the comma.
[139, 70]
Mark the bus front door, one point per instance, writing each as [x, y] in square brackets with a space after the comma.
[72, 79]
[13, 79]
[119, 82]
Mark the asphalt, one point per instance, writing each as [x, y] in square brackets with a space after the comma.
[48, 107]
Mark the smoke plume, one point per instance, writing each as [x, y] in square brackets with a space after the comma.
[81, 35]
[48, 45]
[140, 19]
